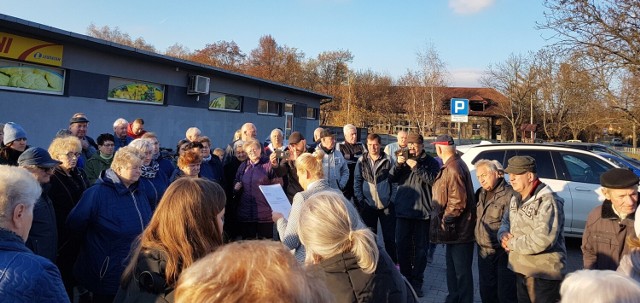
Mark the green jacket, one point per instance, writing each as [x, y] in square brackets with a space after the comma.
[95, 165]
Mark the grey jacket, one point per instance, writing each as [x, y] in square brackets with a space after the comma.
[537, 248]
[372, 183]
[490, 209]
[335, 169]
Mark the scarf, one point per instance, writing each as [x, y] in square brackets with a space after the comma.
[150, 171]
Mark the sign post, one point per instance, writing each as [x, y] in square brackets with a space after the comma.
[459, 112]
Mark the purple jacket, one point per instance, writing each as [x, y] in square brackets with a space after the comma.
[253, 207]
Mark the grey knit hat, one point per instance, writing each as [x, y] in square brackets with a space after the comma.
[12, 132]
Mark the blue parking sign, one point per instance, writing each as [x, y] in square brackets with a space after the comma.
[459, 106]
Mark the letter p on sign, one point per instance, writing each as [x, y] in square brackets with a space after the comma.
[459, 106]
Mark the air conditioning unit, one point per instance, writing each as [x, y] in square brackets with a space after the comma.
[198, 85]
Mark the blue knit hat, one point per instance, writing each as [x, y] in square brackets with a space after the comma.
[12, 132]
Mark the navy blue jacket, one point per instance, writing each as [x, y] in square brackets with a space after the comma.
[43, 235]
[413, 198]
[108, 218]
[212, 170]
[26, 277]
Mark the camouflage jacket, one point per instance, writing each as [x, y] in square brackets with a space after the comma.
[537, 248]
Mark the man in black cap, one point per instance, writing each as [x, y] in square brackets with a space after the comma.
[286, 167]
[454, 219]
[414, 173]
[532, 234]
[43, 236]
[610, 224]
[78, 126]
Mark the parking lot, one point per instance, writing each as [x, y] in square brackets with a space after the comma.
[435, 285]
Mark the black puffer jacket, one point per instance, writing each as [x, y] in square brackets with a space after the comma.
[148, 282]
[43, 235]
[348, 283]
[413, 198]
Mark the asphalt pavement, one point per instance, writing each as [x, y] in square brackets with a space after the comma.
[435, 276]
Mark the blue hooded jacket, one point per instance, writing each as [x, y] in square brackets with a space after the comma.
[108, 219]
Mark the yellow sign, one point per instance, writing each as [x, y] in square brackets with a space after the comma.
[30, 50]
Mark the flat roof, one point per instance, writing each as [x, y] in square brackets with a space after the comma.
[36, 29]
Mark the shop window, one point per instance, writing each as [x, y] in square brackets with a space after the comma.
[220, 101]
[475, 129]
[269, 107]
[31, 77]
[127, 90]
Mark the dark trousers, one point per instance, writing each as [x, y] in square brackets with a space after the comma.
[387, 217]
[536, 290]
[459, 272]
[497, 282]
[412, 239]
[254, 230]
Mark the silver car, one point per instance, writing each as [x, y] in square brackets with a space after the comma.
[573, 174]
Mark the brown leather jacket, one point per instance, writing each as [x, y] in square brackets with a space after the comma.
[604, 238]
[454, 208]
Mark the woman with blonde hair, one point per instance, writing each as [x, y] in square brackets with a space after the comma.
[311, 178]
[229, 276]
[186, 226]
[67, 185]
[107, 219]
[356, 269]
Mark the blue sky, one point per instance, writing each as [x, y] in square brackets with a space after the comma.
[383, 36]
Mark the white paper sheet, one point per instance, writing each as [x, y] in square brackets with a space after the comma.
[277, 199]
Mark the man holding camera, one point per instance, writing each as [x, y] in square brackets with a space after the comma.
[414, 173]
[284, 164]
[373, 192]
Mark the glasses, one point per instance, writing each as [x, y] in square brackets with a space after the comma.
[47, 169]
[108, 145]
[20, 139]
[73, 155]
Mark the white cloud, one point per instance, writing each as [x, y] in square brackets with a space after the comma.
[469, 7]
[466, 78]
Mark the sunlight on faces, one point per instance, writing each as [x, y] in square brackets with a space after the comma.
[521, 182]
[120, 131]
[106, 148]
[69, 160]
[624, 200]
[415, 148]
[350, 136]
[137, 128]
[487, 178]
[328, 142]
[241, 154]
[373, 146]
[19, 144]
[402, 139]
[253, 151]
[276, 138]
[79, 129]
[129, 174]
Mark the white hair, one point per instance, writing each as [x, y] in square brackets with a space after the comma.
[348, 127]
[193, 131]
[601, 286]
[17, 186]
[119, 122]
[277, 130]
[142, 144]
[492, 165]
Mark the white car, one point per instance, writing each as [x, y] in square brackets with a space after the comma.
[573, 174]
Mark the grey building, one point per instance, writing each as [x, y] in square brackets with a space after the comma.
[48, 74]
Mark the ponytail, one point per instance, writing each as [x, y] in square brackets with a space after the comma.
[363, 246]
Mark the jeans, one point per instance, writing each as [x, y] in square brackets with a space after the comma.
[498, 282]
[412, 239]
[387, 217]
[536, 290]
[459, 272]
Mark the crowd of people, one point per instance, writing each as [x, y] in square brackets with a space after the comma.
[114, 220]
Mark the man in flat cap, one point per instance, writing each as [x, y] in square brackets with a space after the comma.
[610, 224]
[414, 173]
[78, 126]
[285, 168]
[454, 219]
[531, 232]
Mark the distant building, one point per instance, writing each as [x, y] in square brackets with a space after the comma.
[48, 74]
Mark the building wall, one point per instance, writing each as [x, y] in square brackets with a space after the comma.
[86, 86]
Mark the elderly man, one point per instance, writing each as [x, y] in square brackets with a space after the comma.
[78, 126]
[454, 219]
[286, 168]
[414, 173]
[498, 283]
[26, 277]
[333, 164]
[247, 131]
[120, 134]
[43, 236]
[392, 148]
[373, 193]
[610, 224]
[316, 138]
[352, 150]
[193, 134]
[531, 233]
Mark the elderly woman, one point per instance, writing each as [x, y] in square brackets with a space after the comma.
[26, 277]
[108, 218]
[67, 185]
[180, 233]
[211, 167]
[188, 165]
[254, 213]
[356, 269]
[277, 142]
[166, 166]
[154, 181]
[14, 143]
[310, 177]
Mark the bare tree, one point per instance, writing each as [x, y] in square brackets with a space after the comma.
[178, 51]
[115, 35]
[222, 54]
[515, 79]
